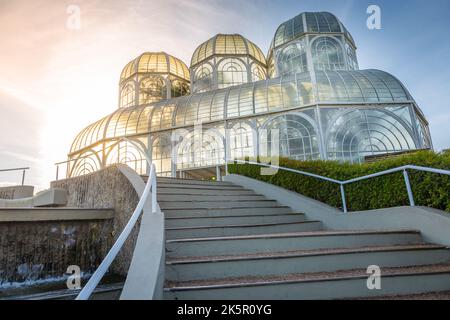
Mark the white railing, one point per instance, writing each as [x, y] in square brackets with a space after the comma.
[151, 186]
[342, 184]
[24, 171]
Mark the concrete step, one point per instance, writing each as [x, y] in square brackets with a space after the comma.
[54, 214]
[102, 292]
[328, 285]
[233, 220]
[217, 204]
[289, 241]
[191, 182]
[208, 197]
[242, 229]
[303, 261]
[439, 295]
[214, 212]
[204, 191]
[200, 186]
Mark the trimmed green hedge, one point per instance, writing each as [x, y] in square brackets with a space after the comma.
[429, 189]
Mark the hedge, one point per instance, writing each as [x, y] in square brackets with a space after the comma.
[429, 189]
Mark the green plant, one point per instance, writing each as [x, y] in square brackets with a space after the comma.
[429, 189]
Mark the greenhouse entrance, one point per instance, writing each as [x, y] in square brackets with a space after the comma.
[206, 173]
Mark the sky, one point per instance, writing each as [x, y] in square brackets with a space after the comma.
[55, 80]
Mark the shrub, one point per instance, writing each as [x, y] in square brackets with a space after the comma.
[429, 189]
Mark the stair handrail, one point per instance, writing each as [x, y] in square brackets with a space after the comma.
[342, 183]
[151, 185]
[24, 171]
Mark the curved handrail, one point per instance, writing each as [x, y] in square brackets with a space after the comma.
[402, 168]
[151, 185]
[291, 170]
[343, 183]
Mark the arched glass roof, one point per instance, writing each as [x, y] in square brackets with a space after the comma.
[332, 87]
[156, 62]
[224, 44]
[308, 22]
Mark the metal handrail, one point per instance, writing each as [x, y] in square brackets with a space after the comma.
[24, 170]
[346, 182]
[151, 185]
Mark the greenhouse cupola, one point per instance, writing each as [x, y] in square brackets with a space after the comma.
[226, 60]
[311, 41]
[153, 77]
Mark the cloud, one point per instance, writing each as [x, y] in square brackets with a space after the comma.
[20, 141]
[20, 156]
[20, 124]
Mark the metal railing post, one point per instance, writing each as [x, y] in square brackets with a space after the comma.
[408, 188]
[344, 203]
[24, 172]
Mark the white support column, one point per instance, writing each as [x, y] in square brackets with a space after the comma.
[408, 188]
[322, 142]
[173, 160]
[226, 149]
[149, 152]
[218, 174]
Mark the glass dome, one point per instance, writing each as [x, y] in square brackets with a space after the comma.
[156, 62]
[226, 60]
[311, 41]
[152, 77]
[315, 22]
[224, 44]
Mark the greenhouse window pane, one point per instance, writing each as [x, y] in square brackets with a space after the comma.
[218, 105]
[274, 98]
[181, 112]
[290, 94]
[204, 110]
[192, 109]
[246, 101]
[144, 119]
[132, 122]
[261, 97]
[233, 103]
[155, 123]
[167, 116]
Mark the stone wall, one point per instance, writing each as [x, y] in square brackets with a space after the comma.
[39, 250]
[107, 188]
[16, 192]
[36, 244]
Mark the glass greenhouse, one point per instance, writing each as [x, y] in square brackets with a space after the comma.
[309, 88]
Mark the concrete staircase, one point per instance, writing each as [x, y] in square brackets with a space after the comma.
[226, 242]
